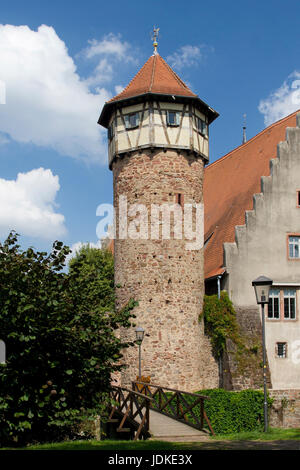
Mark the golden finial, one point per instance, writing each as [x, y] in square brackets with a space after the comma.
[154, 39]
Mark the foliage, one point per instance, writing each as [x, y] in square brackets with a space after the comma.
[233, 412]
[61, 349]
[92, 270]
[220, 322]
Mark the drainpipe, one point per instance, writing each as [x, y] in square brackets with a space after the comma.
[219, 286]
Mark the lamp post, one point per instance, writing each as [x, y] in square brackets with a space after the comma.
[262, 289]
[139, 331]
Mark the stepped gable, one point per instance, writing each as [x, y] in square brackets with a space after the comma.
[229, 186]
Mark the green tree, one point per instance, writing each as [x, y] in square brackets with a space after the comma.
[92, 270]
[61, 349]
[220, 322]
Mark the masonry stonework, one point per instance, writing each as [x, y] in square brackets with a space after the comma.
[243, 370]
[285, 411]
[163, 275]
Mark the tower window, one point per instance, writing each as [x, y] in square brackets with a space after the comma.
[298, 198]
[131, 120]
[289, 304]
[110, 132]
[274, 303]
[201, 126]
[281, 350]
[294, 247]
[172, 118]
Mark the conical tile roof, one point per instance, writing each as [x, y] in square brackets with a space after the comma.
[156, 76]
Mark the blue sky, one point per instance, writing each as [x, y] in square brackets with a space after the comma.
[60, 61]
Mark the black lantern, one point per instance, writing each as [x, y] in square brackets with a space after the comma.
[139, 331]
[262, 289]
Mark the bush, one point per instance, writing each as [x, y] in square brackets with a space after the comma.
[233, 412]
[61, 348]
[220, 322]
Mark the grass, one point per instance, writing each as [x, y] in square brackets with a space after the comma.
[114, 445]
[274, 434]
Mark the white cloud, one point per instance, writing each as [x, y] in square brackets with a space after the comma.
[118, 89]
[28, 205]
[186, 56]
[111, 45]
[47, 102]
[107, 53]
[283, 101]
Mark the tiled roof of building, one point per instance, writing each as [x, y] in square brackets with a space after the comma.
[156, 76]
[229, 186]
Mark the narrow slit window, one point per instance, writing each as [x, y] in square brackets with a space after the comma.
[180, 199]
[298, 198]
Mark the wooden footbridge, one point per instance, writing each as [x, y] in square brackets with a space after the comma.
[149, 410]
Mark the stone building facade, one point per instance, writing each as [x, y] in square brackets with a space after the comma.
[158, 138]
[158, 145]
[252, 228]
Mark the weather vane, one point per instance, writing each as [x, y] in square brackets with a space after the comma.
[154, 39]
[244, 129]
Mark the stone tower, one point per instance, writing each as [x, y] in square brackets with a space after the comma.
[158, 146]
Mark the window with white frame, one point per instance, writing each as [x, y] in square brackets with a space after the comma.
[173, 118]
[281, 350]
[132, 120]
[274, 304]
[294, 246]
[289, 298]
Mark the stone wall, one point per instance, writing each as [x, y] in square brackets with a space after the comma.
[163, 275]
[285, 412]
[243, 369]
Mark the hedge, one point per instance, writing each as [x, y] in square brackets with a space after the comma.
[228, 412]
[234, 412]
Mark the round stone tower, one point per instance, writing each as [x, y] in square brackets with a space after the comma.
[158, 138]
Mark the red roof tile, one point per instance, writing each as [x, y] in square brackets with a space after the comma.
[229, 186]
[156, 76]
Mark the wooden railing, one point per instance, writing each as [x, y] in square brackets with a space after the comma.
[130, 407]
[183, 406]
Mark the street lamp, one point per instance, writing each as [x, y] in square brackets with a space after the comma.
[262, 289]
[139, 331]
